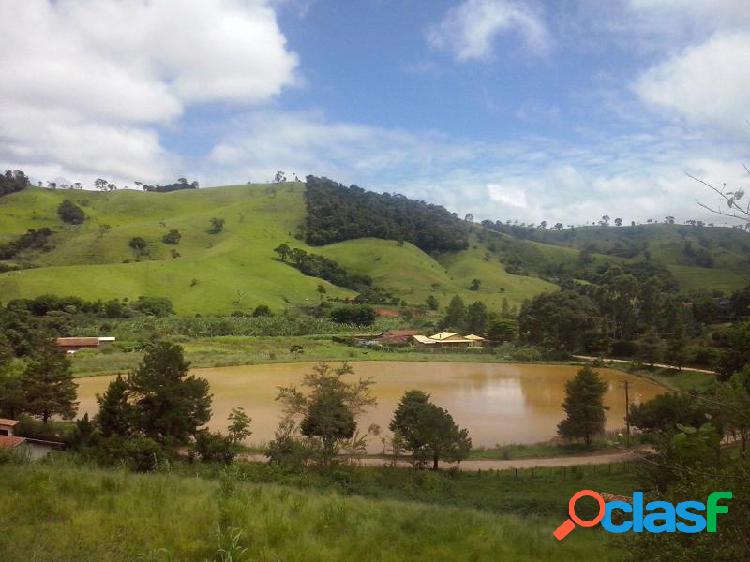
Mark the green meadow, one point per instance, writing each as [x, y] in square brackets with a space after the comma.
[60, 512]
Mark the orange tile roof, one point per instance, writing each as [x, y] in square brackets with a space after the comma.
[77, 342]
[10, 442]
[8, 423]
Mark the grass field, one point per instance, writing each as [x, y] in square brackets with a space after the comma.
[60, 513]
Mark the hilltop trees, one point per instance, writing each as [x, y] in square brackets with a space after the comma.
[47, 383]
[336, 213]
[13, 181]
[428, 431]
[583, 406]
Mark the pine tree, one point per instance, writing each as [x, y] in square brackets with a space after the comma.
[48, 385]
[169, 405]
[115, 415]
[583, 406]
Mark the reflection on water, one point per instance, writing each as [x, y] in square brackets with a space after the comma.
[497, 402]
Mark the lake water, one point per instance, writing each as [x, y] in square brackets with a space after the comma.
[499, 403]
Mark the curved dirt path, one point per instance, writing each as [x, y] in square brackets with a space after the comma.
[476, 465]
[660, 365]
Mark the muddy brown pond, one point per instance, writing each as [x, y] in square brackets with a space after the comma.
[499, 403]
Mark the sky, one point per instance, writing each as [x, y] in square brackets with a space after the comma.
[529, 110]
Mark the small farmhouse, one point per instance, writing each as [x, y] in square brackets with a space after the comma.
[30, 448]
[448, 340]
[71, 345]
[7, 426]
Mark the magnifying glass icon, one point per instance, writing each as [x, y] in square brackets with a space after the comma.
[569, 524]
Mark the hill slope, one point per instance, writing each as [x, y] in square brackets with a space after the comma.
[235, 269]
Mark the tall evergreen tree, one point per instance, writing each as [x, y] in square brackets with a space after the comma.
[115, 415]
[583, 406]
[455, 314]
[47, 383]
[170, 405]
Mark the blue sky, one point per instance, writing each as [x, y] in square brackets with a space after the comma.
[523, 109]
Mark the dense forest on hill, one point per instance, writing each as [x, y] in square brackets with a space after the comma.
[336, 213]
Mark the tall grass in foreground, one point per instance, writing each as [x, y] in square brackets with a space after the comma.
[59, 512]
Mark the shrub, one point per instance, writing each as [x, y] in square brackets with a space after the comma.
[172, 237]
[361, 315]
[214, 447]
[262, 311]
[70, 213]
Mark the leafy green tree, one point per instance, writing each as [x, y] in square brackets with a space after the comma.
[737, 350]
[583, 406]
[432, 303]
[326, 414]
[217, 225]
[361, 315]
[170, 405]
[502, 329]
[330, 420]
[455, 314]
[476, 318]
[475, 284]
[666, 411]
[239, 425]
[70, 213]
[12, 398]
[563, 320]
[116, 415]
[651, 347]
[732, 407]
[283, 251]
[138, 245]
[429, 431]
[47, 383]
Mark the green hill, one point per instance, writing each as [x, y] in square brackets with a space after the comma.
[237, 268]
[218, 273]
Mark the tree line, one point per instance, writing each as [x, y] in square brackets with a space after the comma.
[322, 267]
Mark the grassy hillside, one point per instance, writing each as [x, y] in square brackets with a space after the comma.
[237, 269]
[215, 273]
[412, 274]
[65, 513]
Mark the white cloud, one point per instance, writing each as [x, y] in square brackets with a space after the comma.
[469, 30]
[706, 84]
[87, 82]
[635, 177]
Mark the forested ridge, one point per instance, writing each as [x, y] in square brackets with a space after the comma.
[336, 213]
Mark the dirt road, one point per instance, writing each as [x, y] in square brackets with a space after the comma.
[475, 465]
[660, 365]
